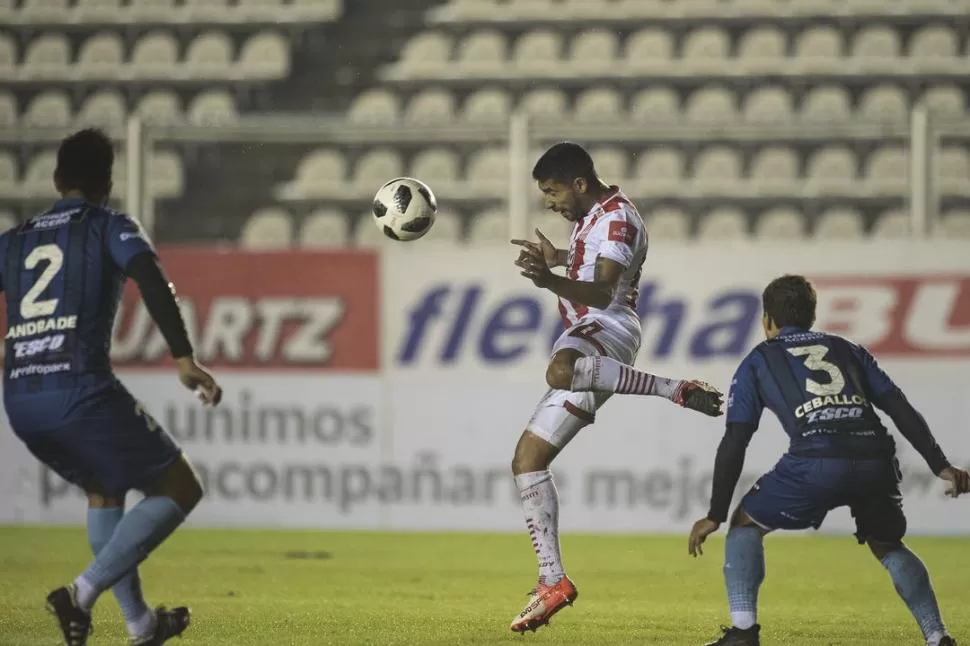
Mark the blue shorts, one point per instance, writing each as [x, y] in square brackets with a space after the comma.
[106, 439]
[799, 492]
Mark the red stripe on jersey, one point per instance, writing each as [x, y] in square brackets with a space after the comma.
[575, 410]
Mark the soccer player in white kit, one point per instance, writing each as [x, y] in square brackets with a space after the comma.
[593, 358]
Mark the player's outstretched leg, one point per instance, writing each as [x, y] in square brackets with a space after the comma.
[540, 503]
[912, 582]
[137, 534]
[604, 374]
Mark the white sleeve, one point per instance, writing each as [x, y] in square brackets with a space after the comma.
[616, 235]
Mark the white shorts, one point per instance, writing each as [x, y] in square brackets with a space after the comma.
[561, 414]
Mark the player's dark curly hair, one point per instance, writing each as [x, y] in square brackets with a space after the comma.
[790, 301]
[565, 162]
[84, 163]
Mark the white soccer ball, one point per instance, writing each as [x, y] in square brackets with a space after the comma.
[404, 209]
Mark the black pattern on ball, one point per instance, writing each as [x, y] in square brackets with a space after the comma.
[389, 232]
[380, 209]
[417, 225]
[402, 198]
[428, 197]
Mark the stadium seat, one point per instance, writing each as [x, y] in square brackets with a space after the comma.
[490, 227]
[954, 171]
[325, 229]
[487, 106]
[38, 180]
[723, 224]
[104, 109]
[430, 107]
[7, 220]
[367, 235]
[98, 11]
[593, 51]
[954, 225]
[599, 105]
[8, 57]
[887, 171]
[555, 227]
[166, 178]
[761, 50]
[884, 103]
[44, 11]
[710, 105]
[774, 171]
[48, 57]
[206, 11]
[313, 11]
[424, 55]
[446, 229]
[102, 56]
[9, 113]
[818, 50]
[893, 224]
[771, 104]
[375, 108]
[875, 49]
[611, 164]
[265, 56]
[160, 107]
[212, 108]
[155, 56]
[9, 176]
[266, 229]
[779, 224]
[706, 50]
[488, 172]
[942, 101]
[438, 167]
[151, 11]
[934, 45]
[49, 109]
[826, 104]
[660, 171]
[376, 167]
[657, 104]
[840, 224]
[717, 170]
[209, 56]
[320, 174]
[545, 104]
[257, 10]
[482, 53]
[649, 49]
[537, 51]
[668, 223]
[832, 171]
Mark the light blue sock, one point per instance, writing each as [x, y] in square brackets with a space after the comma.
[912, 582]
[744, 570]
[101, 526]
[139, 532]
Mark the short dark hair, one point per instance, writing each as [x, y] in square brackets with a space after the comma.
[790, 301]
[564, 162]
[84, 163]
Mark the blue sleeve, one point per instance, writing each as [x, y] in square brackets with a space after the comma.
[126, 239]
[879, 383]
[744, 404]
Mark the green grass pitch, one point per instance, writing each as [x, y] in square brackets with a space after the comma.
[277, 588]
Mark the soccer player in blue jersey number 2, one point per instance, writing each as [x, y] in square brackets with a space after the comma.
[822, 388]
[62, 273]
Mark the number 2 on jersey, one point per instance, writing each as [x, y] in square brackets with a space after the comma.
[814, 358]
[30, 307]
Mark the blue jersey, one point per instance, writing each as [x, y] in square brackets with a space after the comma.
[820, 386]
[62, 273]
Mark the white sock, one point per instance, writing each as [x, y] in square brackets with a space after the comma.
[934, 639]
[743, 620]
[605, 374]
[85, 594]
[143, 626]
[540, 502]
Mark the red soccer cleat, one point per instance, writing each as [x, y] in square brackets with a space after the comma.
[544, 602]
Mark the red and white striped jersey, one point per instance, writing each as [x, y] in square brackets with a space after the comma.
[612, 229]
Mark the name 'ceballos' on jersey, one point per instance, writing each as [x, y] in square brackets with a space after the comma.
[62, 273]
[612, 229]
[821, 387]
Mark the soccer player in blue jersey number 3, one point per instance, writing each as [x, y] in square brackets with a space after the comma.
[62, 273]
[822, 388]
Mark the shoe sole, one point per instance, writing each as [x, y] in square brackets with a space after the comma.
[535, 624]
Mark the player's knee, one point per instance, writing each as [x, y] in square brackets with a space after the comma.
[881, 549]
[181, 483]
[559, 374]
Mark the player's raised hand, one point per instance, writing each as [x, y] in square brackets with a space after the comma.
[959, 481]
[197, 379]
[544, 247]
[698, 534]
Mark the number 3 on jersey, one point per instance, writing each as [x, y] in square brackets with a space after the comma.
[814, 358]
[30, 307]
